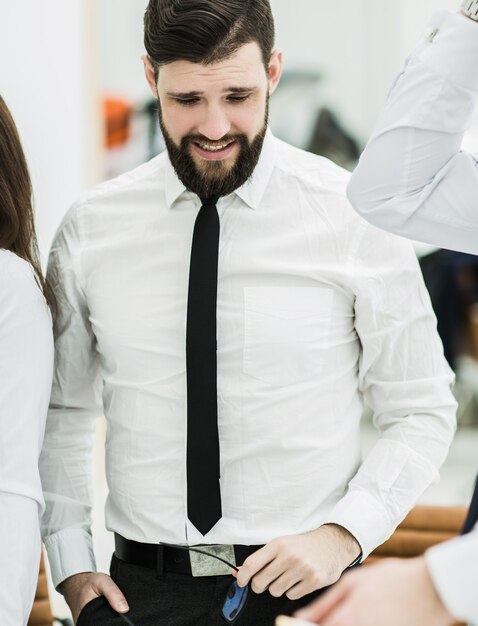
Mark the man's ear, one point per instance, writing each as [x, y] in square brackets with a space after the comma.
[274, 70]
[150, 74]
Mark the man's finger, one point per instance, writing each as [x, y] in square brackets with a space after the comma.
[254, 564]
[269, 575]
[107, 588]
[301, 589]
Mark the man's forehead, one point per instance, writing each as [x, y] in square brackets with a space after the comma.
[245, 66]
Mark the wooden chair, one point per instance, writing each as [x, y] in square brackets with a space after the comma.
[424, 526]
[41, 614]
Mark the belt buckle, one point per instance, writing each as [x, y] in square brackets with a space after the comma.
[204, 565]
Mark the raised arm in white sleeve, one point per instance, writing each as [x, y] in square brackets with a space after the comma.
[66, 459]
[412, 178]
[26, 365]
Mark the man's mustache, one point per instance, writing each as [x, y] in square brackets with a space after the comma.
[212, 142]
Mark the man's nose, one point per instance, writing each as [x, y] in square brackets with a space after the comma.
[215, 124]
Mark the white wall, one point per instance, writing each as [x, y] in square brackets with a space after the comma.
[58, 57]
[45, 81]
[356, 45]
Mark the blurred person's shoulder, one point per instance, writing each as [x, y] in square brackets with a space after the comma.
[21, 299]
[14, 268]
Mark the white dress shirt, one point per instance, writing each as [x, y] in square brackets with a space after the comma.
[313, 315]
[414, 180]
[26, 366]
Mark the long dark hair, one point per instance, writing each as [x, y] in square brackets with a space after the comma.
[17, 223]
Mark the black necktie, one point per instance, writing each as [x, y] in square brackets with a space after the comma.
[204, 495]
[472, 517]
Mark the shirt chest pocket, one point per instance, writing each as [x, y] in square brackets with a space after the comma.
[286, 332]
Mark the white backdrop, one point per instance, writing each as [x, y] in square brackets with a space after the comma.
[48, 81]
[58, 57]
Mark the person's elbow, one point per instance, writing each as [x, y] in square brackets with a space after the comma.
[377, 203]
[364, 196]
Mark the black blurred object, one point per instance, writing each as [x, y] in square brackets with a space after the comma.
[150, 108]
[331, 140]
[452, 281]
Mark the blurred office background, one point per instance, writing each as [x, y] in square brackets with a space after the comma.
[72, 75]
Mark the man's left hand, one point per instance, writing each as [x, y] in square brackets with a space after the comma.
[297, 565]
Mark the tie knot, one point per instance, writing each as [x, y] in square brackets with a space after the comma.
[210, 202]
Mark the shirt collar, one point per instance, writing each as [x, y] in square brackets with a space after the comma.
[251, 192]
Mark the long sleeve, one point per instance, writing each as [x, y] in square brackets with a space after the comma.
[453, 567]
[66, 459]
[26, 365]
[413, 179]
[405, 381]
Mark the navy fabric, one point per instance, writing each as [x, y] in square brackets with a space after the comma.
[472, 517]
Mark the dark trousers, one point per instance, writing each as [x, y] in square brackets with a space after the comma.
[181, 600]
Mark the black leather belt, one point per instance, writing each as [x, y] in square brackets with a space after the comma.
[166, 558]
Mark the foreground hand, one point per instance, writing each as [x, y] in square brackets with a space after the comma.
[282, 620]
[299, 564]
[397, 592]
[79, 589]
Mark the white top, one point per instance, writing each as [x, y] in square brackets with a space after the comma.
[315, 309]
[414, 180]
[26, 365]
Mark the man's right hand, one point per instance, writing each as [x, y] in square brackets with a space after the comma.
[80, 589]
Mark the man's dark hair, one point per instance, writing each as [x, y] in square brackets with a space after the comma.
[206, 31]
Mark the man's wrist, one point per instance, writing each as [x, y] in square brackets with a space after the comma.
[349, 548]
[75, 580]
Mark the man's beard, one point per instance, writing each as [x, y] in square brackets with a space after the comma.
[215, 178]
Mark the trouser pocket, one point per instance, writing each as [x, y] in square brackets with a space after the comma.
[97, 611]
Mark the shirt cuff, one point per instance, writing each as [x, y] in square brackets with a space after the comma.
[69, 552]
[364, 518]
[451, 48]
[453, 566]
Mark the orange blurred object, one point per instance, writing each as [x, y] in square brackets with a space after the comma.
[117, 121]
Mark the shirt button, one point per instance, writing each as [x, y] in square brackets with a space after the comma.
[431, 34]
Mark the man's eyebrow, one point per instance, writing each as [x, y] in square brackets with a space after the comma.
[240, 90]
[186, 95]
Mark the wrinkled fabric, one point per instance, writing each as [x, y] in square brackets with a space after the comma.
[26, 369]
[316, 311]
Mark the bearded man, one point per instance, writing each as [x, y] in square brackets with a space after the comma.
[228, 312]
